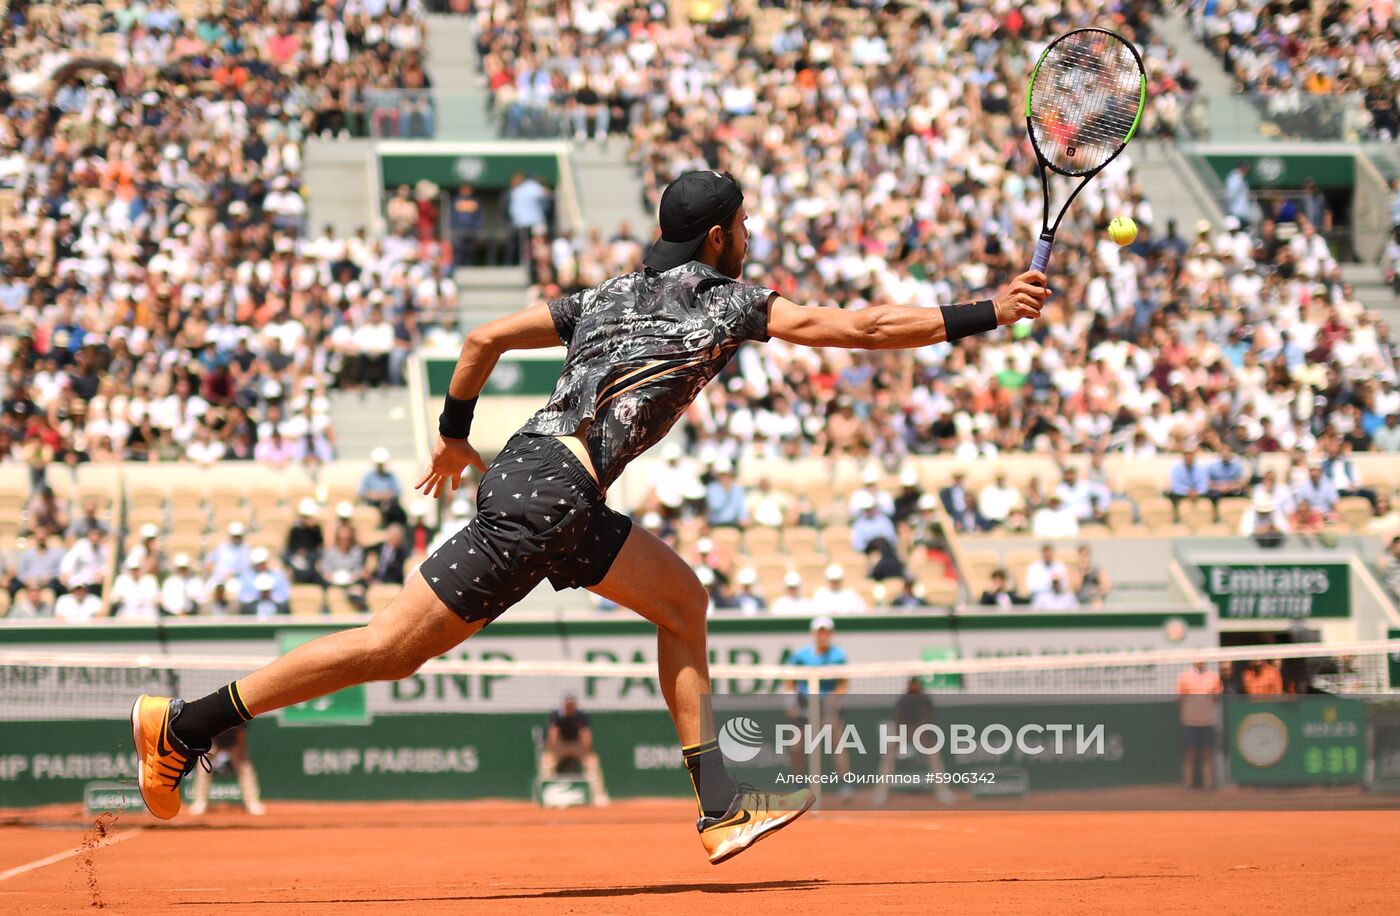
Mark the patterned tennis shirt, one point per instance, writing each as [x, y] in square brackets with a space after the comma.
[641, 347]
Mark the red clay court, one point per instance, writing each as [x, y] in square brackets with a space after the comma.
[641, 857]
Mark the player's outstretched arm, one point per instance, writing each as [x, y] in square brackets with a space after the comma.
[896, 327]
[527, 329]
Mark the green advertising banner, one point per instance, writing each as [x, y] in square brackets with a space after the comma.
[403, 757]
[1335, 171]
[1307, 741]
[345, 707]
[1289, 591]
[515, 374]
[482, 168]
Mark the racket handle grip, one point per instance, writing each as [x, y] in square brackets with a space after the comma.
[1042, 253]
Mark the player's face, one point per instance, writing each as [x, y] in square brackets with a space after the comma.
[736, 246]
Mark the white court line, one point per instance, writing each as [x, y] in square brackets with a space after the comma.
[18, 870]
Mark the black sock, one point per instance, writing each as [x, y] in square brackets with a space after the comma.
[714, 790]
[203, 719]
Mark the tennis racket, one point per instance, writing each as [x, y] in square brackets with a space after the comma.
[1083, 105]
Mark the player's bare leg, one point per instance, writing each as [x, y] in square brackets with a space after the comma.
[652, 580]
[415, 627]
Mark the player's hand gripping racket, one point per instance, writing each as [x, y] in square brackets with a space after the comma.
[1083, 104]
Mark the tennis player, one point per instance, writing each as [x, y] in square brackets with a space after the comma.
[641, 347]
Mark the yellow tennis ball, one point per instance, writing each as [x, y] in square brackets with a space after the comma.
[1122, 230]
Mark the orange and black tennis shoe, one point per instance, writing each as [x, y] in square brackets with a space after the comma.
[162, 759]
[752, 815]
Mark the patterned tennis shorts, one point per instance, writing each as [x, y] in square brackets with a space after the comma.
[539, 516]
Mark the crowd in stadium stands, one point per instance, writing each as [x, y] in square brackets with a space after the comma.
[1323, 70]
[160, 297]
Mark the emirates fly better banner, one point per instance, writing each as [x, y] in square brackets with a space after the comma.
[1293, 591]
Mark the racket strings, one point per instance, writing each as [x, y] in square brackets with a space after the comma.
[1084, 101]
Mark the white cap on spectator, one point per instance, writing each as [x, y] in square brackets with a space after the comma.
[748, 575]
[871, 475]
[927, 502]
[704, 545]
[910, 477]
[344, 510]
[694, 490]
[236, 529]
[823, 623]
[724, 466]
[671, 451]
[260, 555]
[461, 506]
[150, 530]
[834, 572]
[418, 508]
[862, 501]
[1202, 226]
[182, 561]
[1263, 503]
[79, 580]
[793, 579]
[272, 389]
[672, 499]
[380, 455]
[133, 561]
[307, 506]
[705, 575]
[264, 582]
[652, 521]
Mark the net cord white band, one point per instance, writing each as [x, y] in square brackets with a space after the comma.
[911, 668]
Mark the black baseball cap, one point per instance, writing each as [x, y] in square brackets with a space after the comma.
[690, 206]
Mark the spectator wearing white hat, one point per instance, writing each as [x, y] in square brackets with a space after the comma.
[906, 502]
[870, 524]
[148, 545]
[230, 559]
[305, 539]
[791, 601]
[260, 565]
[1263, 519]
[182, 592]
[835, 597]
[724, 498]
[870, 487]
[79, 605]
[747, 599]
[380, 488]
[136, 592]
[88, 558]
[264, 603]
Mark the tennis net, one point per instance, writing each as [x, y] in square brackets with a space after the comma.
[474, 728]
